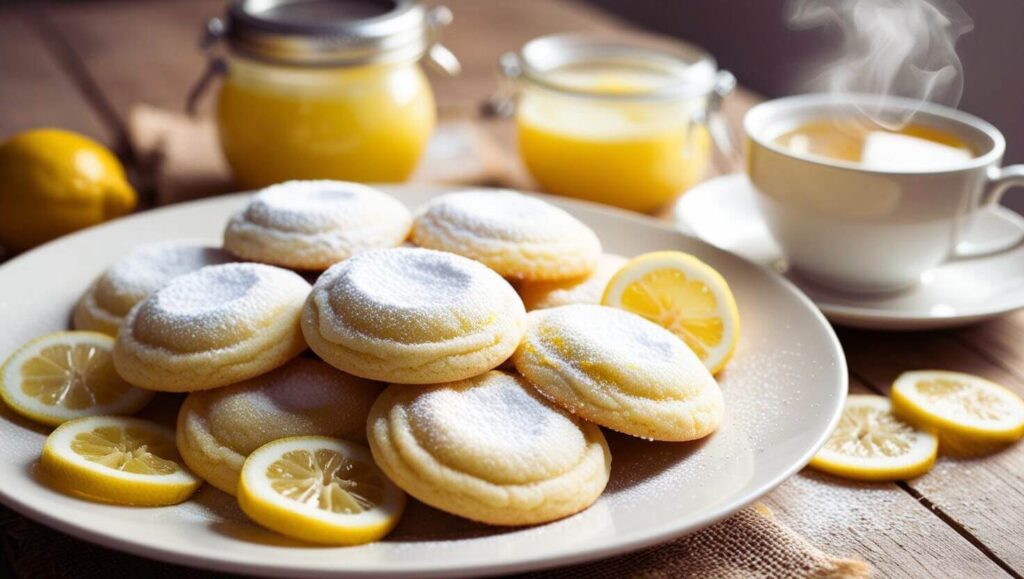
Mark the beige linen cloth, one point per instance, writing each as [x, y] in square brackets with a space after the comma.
[186, 163]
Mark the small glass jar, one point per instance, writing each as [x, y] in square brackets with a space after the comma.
[625, 121]
[325, 89]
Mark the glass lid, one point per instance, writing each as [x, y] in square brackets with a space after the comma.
[615, 67]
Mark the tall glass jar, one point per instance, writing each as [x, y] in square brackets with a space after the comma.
[326, 89]
[625, 121]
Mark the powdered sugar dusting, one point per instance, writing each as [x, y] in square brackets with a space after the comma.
[497, 428]
[414, 294]
[319, 206]
[505, 215]
[306, 385]
[591, 331]
[149, 267]
[598, 342]
[764, 381]
[498, 415]
[230, 298]
[411, 279]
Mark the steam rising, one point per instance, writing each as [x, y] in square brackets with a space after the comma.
[889, 48]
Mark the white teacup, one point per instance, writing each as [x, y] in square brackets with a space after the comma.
[862, 229]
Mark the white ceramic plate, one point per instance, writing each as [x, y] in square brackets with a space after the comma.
[723, 212]
[784, 391]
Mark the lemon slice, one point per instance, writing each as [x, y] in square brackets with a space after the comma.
[67, 375]
[684, 295]
[871, 444]
[118, 460]
[969, 412]
[319, 489]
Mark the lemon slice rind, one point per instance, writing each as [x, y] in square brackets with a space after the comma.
[12, 380]
[77, 475]
[867, 425]
[717, 355]
[306, 522]
[955, 413]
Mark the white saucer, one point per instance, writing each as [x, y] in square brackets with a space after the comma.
[723, 212]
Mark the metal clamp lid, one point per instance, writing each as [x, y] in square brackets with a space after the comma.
[333, 32]
[327, 33]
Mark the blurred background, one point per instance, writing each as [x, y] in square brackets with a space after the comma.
[752, 39]
[72, 56]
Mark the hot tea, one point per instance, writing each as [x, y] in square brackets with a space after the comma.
[912, 148]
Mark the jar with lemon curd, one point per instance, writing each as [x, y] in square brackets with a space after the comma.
[626, 121]
[325, 89]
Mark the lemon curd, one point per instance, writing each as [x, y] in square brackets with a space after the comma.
[619, 148]
[368, 123]
[324, 89]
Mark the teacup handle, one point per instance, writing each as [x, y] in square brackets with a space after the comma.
[1000, 179]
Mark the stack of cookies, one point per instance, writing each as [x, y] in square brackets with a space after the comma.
[332, 311]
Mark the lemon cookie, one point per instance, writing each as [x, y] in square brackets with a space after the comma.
[312, 225]
[587, 289]
[413, 316]
[218, 428]
[620, 371]
[107, 301]
[489, 449]
[517, 236]
[212, 327]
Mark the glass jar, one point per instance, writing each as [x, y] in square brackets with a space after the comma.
[325, 89]
[625, 121]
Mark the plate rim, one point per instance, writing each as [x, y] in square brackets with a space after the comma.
[865, 316]
[599, 549]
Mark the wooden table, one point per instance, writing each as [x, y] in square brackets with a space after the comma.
[82, 66]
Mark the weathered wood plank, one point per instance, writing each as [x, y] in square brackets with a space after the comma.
[137, 52]
[983, 495]
[880, 523]
[1000, 340]
[34, 90]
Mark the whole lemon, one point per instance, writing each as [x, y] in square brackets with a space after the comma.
[53, 182]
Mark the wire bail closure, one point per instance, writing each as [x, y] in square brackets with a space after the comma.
[215, 66]
[408, 32]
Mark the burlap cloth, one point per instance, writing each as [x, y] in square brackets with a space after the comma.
[185, 163]
[751, 544]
